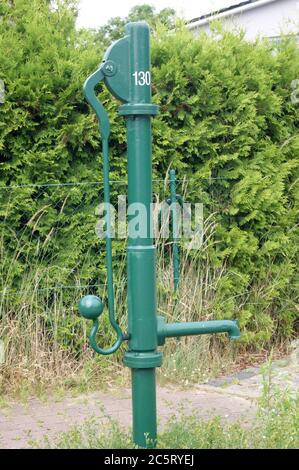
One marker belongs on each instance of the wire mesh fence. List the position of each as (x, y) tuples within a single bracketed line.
[(49, 240), (51, 255), (49, 229), (48, 236)]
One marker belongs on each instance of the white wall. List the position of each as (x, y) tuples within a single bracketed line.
[(268, 20)]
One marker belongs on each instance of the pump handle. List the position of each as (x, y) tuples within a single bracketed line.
[(90, 95)]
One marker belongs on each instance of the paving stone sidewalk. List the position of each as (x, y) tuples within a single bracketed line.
[(232, 398)]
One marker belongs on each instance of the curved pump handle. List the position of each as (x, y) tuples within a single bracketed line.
[(90, 306), (90, 95)]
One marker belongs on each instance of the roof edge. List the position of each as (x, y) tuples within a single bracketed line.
[(230, 11)]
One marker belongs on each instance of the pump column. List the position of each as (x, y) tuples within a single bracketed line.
[(142, 356)]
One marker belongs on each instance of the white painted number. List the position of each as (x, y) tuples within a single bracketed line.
[(142, 78)]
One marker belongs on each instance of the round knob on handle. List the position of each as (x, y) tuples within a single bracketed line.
[(90, 307)]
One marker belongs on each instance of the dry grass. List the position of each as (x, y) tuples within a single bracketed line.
[(46, 343)]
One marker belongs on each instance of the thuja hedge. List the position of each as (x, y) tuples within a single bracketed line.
[(226, 122)]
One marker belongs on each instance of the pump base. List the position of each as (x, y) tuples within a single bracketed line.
[(142, 360)]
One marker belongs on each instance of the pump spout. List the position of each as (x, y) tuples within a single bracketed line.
[(196, 328)]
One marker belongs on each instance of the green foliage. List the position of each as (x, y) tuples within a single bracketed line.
[(226, 122), (42, 134)]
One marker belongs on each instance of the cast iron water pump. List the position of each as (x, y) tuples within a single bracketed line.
[(125, 71)]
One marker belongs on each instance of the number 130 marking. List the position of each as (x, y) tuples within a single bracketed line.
[(142, 78)]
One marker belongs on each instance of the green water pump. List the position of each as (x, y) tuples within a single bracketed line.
[(125, 71)]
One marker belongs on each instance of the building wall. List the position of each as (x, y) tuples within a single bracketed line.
[(269, 20)]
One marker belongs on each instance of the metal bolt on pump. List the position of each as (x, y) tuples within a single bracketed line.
[(125, 71)]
